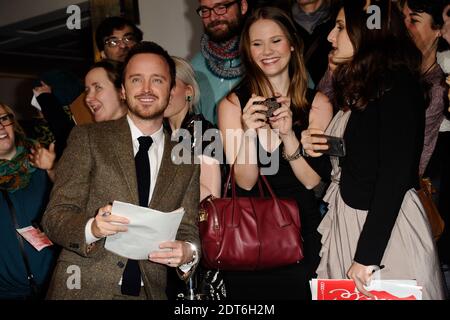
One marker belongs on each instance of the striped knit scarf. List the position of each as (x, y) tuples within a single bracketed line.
[(219, 57)]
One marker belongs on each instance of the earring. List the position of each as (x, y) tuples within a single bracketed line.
[(188, 98)]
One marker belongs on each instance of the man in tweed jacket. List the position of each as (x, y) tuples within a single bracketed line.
[(98, 167)]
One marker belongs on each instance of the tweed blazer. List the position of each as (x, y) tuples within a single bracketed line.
[(97, 168)]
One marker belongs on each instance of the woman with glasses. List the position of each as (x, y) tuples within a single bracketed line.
[(24, 270)]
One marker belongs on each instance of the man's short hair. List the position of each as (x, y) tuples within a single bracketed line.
[(153, 48), (107, 27)]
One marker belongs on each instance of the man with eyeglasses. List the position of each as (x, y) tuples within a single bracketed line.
[(115, 36), (217, 66)]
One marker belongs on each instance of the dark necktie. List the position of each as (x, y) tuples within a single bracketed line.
[(131, 278)]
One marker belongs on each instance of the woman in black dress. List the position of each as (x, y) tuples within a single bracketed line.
[(272, 55)]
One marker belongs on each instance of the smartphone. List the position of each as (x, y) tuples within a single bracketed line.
[(336, 145)]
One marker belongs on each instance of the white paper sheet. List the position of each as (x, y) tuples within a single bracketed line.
[(147, 229)]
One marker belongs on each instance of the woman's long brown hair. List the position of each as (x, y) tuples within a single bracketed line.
[(377, 53), (255, 77)]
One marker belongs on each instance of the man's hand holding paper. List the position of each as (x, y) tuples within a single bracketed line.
[(107, 224), (149, 232), (179, 253)]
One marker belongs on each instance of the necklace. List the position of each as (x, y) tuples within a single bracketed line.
[(429, 68)]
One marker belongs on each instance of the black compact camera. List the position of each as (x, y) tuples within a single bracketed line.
[(271, 104)]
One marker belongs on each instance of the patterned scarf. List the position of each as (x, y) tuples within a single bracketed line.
[(219, 57), (15, 174)]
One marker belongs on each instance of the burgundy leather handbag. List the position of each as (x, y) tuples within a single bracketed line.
[(249, 233)]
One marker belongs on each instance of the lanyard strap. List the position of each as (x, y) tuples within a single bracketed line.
[(12, 211)]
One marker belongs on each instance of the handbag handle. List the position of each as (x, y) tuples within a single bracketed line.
[(281, 218), (230, 178), (260, 187)]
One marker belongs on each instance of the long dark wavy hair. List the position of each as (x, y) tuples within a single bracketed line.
[(255, 78), (377, 54)]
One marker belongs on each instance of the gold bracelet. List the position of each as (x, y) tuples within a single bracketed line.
[(297, 154)]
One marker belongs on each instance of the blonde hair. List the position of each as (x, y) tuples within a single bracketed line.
[(17, 128), (185, 73)]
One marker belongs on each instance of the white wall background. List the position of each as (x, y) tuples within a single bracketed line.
[(15, 10), (173, 24)]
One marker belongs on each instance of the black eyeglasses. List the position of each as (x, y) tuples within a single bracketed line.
[(7, 119), (126, 39), (220, 10)]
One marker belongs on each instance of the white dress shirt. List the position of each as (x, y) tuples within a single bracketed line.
[(155, 154)]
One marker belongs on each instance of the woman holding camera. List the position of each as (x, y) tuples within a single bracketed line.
[(375, 220), (272, 55)]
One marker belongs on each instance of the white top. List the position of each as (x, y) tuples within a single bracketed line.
[(445, 125)]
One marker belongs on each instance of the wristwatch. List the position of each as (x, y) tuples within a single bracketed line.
[(194, 252)]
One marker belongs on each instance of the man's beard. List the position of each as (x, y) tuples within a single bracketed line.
[(234, 28), (152, 112)]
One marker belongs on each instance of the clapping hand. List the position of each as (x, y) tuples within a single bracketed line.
[(43, 158)]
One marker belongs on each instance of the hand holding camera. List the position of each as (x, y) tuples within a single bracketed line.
[(271, 112), (271, 104)]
